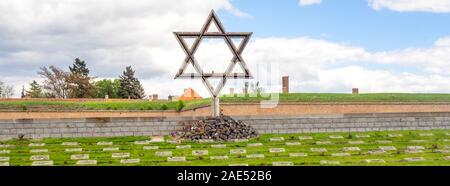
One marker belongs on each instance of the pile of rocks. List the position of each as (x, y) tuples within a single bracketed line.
[(221, 128)]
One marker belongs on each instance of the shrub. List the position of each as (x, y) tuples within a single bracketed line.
[(180, 105), (164, 107)]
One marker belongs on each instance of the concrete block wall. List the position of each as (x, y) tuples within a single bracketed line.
[(139, 126)]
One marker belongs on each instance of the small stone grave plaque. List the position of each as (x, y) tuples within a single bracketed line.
[(176, 159), (69, 143), (415, 148), (130, 161), (104, 143), (111, 149), (447, 147), (238, 151), (240, 140), (238, 165), (341, 154), (298, 154), (362, 136), (163, 153), (318, 149), (38, 150), (4, 164), (447, 158), (293, 143), (276, 150), (329, 162), (355, 142), (336, 137), (383, 141), (375, 161), (277, 139), (74, 150), (255, 156), (419, 141), (155, 139), (141, 142), (36, 144), (120, 155), (448, 134), (414, 159), (4, 146), (305, 138), (287, 163), (173, 141), (323, 142), (442, 151), (42, 163), (151, 147), (86, 162), (5, 151), (387, 148), (377, 151), (426, 134), (200, 152), (183, 147), (79, 156), (218, 146), (395, 135), (446, 140), (206, 141), (218, 157), (254, 145), (4, 158), (351, 149), (39, 157)]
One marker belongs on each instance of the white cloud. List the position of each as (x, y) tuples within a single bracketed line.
[(110, 35), (308, 2), (435, 6)]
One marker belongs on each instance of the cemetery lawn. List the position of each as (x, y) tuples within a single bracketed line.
[(38, 105), (436, 144)]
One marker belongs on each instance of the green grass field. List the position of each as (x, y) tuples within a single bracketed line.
[(436, 145), (30, 105)]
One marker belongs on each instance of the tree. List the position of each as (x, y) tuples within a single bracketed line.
[(55, 82), (80, 83), (6, 91), (35, 90), (107, 87), (130, 87)]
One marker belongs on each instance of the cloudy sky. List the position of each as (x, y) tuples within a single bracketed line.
[(323, 45)]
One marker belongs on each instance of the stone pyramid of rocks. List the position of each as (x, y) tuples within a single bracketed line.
[(221, 128)]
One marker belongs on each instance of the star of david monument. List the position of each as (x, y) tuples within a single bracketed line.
[(205, 76)]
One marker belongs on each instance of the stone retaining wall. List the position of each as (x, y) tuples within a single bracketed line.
[(138, 126)]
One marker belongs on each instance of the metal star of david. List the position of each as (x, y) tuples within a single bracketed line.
[(227, 36)]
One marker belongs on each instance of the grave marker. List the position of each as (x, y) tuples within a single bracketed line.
[(255, 156), (387, 148), (426, 134), (355, 142), (120, 155), (277, 139), (163, 153), (4, 164), (38, 150), (111, 149), (70, 143), (305, 138), (414, 159), (318, 149), (151, 147), (86, 162), (238, 165), (218, 157), (329, 162), (383, 141), (254, 145), (395, 135), (36, 144), (415, 148), (276, 150), (42, 163), (293, 143), (351, 149), (200, 152), (141, 142), (79, 157), (341, 154), (74, 150), (155, 139), (5, 151), (323, 142), (375, 161), (4, 158), (176, 159), (39, 157), (183, 147), (130, 161), (104, 143), (282, 163), (298, 154), (218, 146), (238, 151), (336, 137), (362, 136)]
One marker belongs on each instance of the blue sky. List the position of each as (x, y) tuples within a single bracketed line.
[(323, 45), (343, 21)]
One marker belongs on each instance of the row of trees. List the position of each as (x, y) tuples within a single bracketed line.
[(6, 91), (77, 83)]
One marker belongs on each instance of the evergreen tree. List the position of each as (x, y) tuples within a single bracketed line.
[(35, 90), (80, 83), (130, 87)]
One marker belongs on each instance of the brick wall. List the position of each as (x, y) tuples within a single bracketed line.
[(138, 126)]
